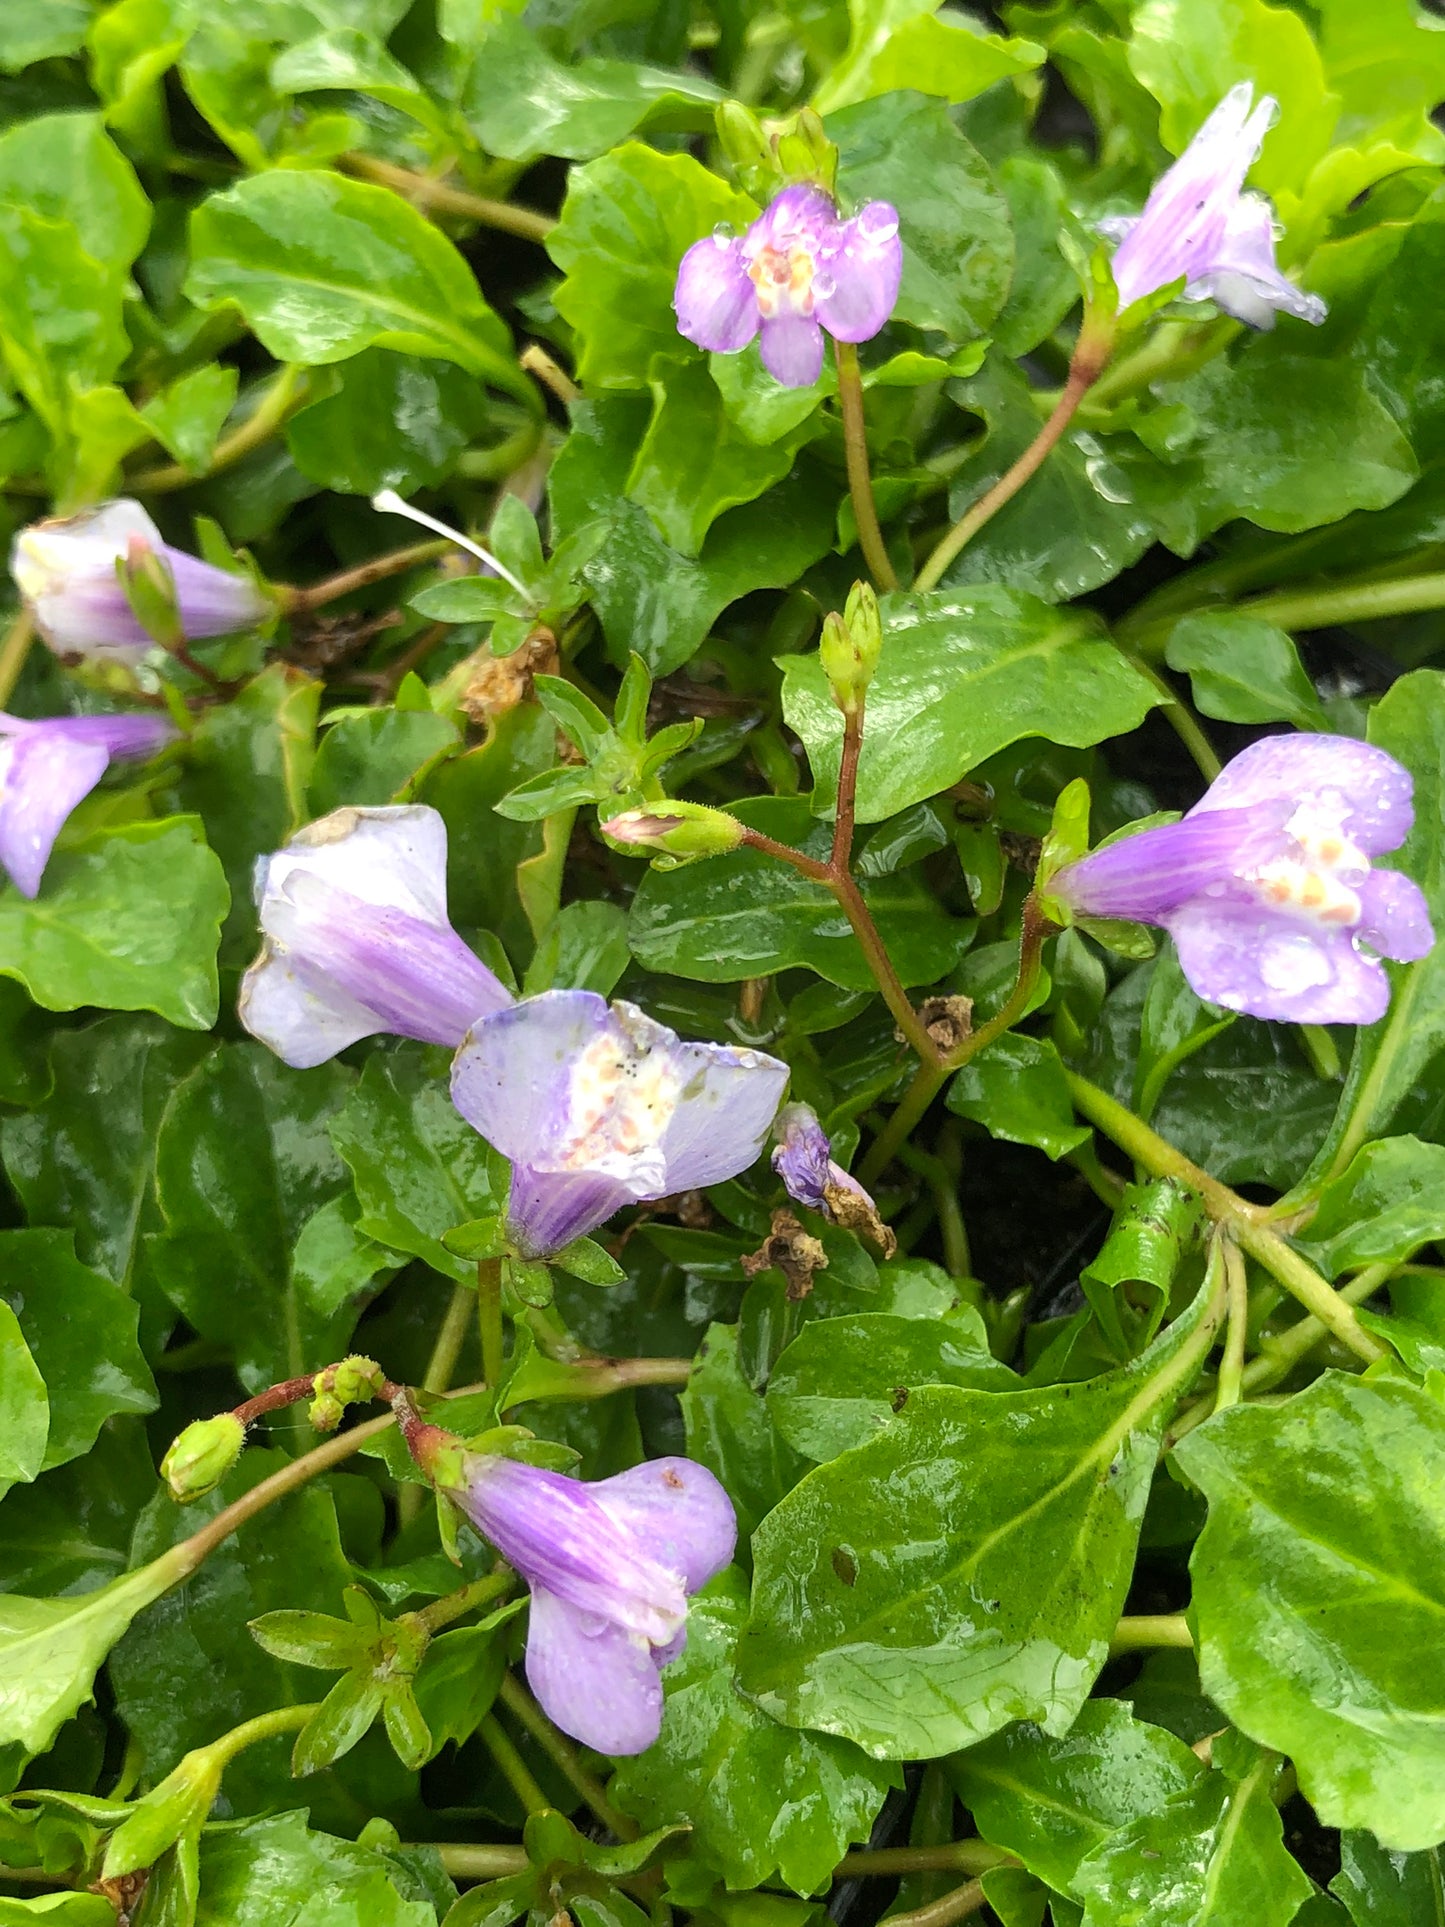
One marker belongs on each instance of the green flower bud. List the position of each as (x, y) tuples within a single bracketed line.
[(202, 1456), (742, 140), (353, 1381), (850, 646), (680, 831), (150, 589)]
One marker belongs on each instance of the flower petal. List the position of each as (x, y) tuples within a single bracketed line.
[(1248, 958), (792, 349), (43, 775), (512, 1078), (128, 736), (1243, 277), (305, 1020), (859, 269), (715, 301), (548, 1209), (1370, 791), (1148, 875), (729, 1100), (801, 216), (596, 1682), (1396, 918), (678, 1510), (395, 857)]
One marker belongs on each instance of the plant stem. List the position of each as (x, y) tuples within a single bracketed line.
[(943, 1183), (550, 373), (1090, 355), (489, 1318), (449, 1340), (1283, 1263), (502, 215), (953, 1856), (285, 394), (1149, 1632), (1174, 350), (14, 653), (456, 1605), (265, 1726), (481, 1863), (1229, 1386), (1181, 719), (967, 1899), (514, 1768), (843, 819), (860, 481), (563, 1755), (317, 594)]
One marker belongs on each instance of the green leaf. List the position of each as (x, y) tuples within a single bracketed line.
[(378, 757), (759, 1799), (66, 168), (897, 44), (1016, 1518), (278, 1869), (1243, 670), (1384, 1889), (60, 313), (127, 920), (82, 1336), (958, 250), (1051, 1802), (62, 1910), (626, 223), (1212, 1855), (1130, 1282), (1317, 1585), (522, 104), (33, 30), (23, 1404), (585, 948), (459, 1679), (1388, 1203), (961, 677), (418, 1167), (71, 1530), (393, 421), (323, 267), (731, 1431), (748, 914), (243, 1161), (187, 416), (1017, 1090), (844, 1380)]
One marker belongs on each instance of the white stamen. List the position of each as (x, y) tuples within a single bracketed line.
[(388, 502)]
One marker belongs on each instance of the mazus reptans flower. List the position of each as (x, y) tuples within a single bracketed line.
[(357, 941), (48, 766), (598, 1106), (1200, 225), (65, 570), (799, 270), (1267, 885)]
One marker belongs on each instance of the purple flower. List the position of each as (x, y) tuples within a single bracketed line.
[(796, 271), (610, 1567), (46, 768), (1266, 885), (65, 570), (356, 939), (1197, 223), (804, 1161), (597, 1106)]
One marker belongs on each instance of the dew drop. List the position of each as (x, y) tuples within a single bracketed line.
[(824, 286), (877, 222), (1293, 964), (723, 234)]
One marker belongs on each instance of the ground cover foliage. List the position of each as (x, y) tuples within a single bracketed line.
[(1083, 1572)]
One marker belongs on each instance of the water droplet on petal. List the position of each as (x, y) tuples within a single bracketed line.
[(878, 222), (723, 234), (1295, 963), (824, 285)]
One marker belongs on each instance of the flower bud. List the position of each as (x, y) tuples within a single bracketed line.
[(850, 646), (150, 588), (202, 1456), (743, 142), (682, 831)]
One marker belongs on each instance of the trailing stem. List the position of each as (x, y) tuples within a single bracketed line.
[(860, 480), (445, 199)]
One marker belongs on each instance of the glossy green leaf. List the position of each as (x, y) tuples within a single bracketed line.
[(961, 677), (40, 30), (60, 312), (1243, 670), (731, 1431), (23, 1404), (187, 416), (1317, 1584), (759, 1799), (128, 920), (1388, 1203), (378, 757), (904, 44), (748, 914), (279, 1869), (1017, 1514), (393, 421), (1383, 1889), (1017, 1090), (66, 168)]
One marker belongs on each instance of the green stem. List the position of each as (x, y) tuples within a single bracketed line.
[(1181, 719), (943, 1184), (480, 1863), (1229, 1386), (265, 1726), (964, 1900), (489, 1318), (502, 215), (449, 1340), (317, 594), (1265, 1246), (563, 1755), (1322, 607), (1147, 1632), (285, 394), (1174, 350), (953, 1856), (503, 458), (513, 1767), (860, 480), (14, 653), (456, 1605)]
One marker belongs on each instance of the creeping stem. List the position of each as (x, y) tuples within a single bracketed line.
[(860, 481), (13, 653), (502, 215), (284, 396), (489, 1316), (563, 1755), (317, 594)]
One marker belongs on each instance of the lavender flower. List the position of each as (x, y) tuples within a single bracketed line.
[(65, 570), (1197, 223), (804, 1161), (597, 1106), (1266, 885), (610, 1567), (797, 270), (356, 939), (47, 767)]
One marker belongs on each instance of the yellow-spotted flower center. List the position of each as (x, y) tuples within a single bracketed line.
[(1321, 882), (784, 280), (624, 1092)]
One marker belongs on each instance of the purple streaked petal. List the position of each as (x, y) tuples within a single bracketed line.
[(1395, 918), (593, 1680), (1371, 792), (802, 215), (859, 269), (1249, 958), (1243, 277), (792, 349), (548, 1209), (715, 301), (304, 1018), (729, 1100), (129, 737), (803, 1158), (395, 857), (678, 1510), (512, 1078), (1148, 875), (42, 777)]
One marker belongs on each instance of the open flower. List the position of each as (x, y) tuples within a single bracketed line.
[(797, 270), (610, 1567), (597, 1106), (47, 767), (65, 570), (1266, 885), (1199, 224), (811, 1175), (356, 939)]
